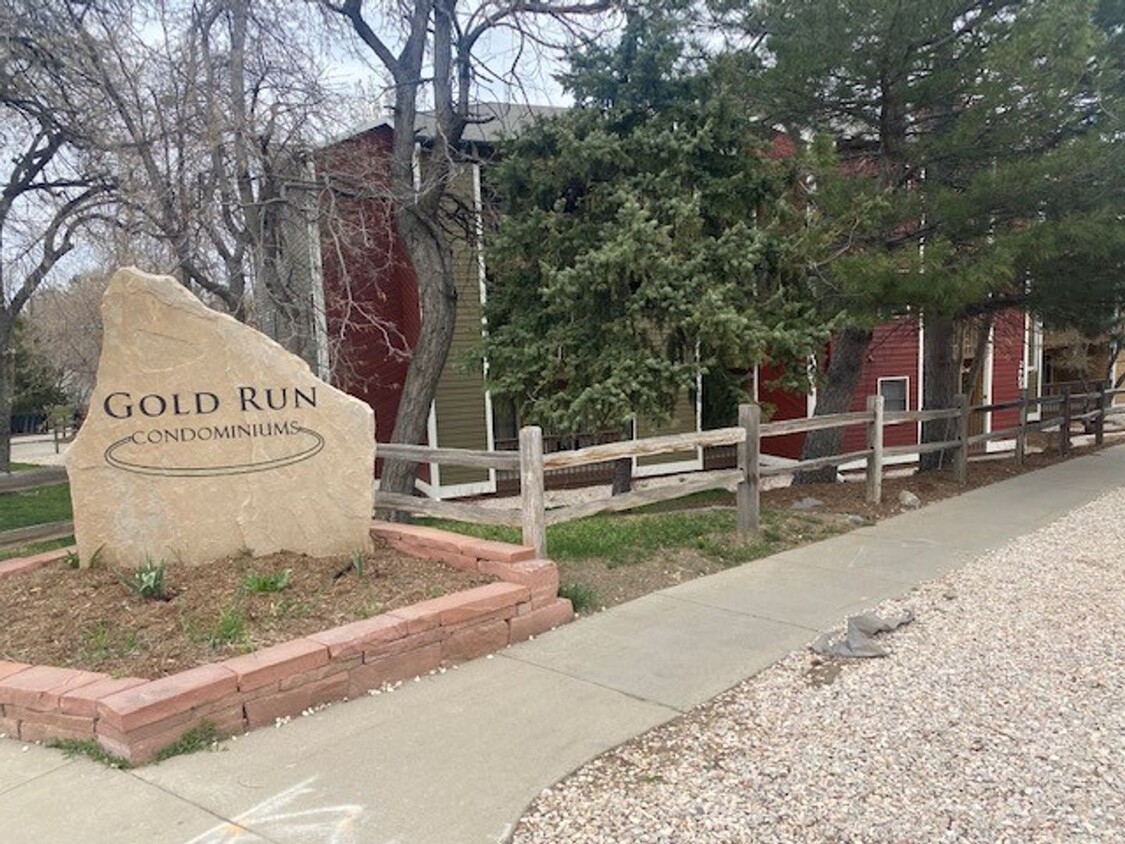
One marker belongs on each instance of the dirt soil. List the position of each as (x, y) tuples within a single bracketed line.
[(848, 497), (88, 618)]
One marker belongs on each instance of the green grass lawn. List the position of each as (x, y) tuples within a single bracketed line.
[(35, 507), (35, 548), (622, 539)]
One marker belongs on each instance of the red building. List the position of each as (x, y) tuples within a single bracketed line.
[(893, 368)]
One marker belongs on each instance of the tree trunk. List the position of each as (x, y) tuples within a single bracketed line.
[(622, 476), (7, 386), (941, 370), (849, 348), (437, 294)]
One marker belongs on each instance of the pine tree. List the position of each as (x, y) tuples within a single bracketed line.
[(984, 131), (645, 237)]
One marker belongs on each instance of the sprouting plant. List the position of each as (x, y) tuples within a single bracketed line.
[(357, 565), (148, 580), (230, 627), (581, 596), (258, 583), (73, 561), (72, 747), (108, 641), (206, 736)]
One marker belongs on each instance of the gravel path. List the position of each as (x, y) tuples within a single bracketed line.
[(999, 716)]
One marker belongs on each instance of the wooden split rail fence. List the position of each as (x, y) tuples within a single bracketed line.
[(533, 518)]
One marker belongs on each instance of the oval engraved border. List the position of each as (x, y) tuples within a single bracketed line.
[(212, 471)]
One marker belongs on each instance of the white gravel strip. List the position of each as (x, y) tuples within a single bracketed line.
[(999, 716)]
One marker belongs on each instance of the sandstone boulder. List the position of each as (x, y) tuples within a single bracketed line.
[(206, 438)]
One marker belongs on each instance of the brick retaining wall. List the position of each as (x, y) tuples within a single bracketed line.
[(134, 718)]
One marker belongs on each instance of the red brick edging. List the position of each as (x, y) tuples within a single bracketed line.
[(134, 718)]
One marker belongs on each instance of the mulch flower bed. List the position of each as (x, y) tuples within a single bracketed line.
[(93, 619)]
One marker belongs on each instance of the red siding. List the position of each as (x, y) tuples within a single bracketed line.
[(781, 404), (1007, 365), (372, 308), (893, 353)]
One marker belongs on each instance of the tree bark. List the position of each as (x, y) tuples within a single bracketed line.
[(622, 476), (941, 370), (849, 348), (432, 260), (7, 387)]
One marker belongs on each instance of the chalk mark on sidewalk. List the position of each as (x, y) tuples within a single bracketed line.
[(273, 819)]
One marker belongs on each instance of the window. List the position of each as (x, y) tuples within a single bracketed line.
[(894, 392)]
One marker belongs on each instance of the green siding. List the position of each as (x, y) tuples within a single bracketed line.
[(682, 422), (461, 421)]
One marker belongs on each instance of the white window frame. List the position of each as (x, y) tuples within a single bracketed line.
[(905, 393)]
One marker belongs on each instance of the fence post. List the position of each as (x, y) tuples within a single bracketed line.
[(749, 488), (1099, 420), (1064, 425), (1021, 435), (531, 489), (875, 443), (961, 463)]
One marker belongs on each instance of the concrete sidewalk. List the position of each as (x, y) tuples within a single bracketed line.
[(456, 757)]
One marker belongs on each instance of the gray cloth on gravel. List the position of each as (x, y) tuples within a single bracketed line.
[(859, 640)]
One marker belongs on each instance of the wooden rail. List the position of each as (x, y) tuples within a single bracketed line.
[(32, 479), (814, 423), (453, 456), (724, 479), (533, 517), (643, 448), (897, 417), (449, 509)]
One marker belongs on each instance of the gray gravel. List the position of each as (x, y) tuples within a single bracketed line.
[(999, 716)]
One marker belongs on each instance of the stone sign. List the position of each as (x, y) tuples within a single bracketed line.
[(205, 438)]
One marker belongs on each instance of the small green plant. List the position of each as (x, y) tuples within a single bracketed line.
[(108, 641), (771, 533), (290, 608), (73, 561), (581, 596), (356, 564), (229, 629), (204, 737), (89, 747), (259, 583), (148, 581)]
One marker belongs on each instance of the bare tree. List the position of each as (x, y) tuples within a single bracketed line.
[(66, 325), (434, 52), (208, 110), (53, 184)]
